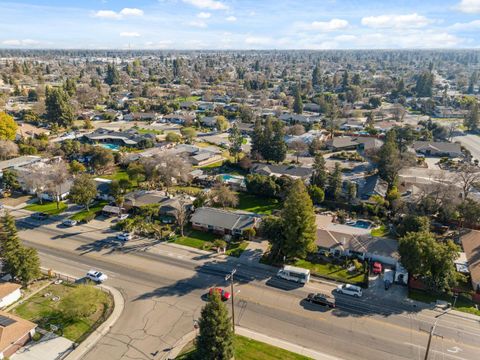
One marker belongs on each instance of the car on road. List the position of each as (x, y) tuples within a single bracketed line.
[(122, 216), (69, 222), (96, 276), (377, 268), (224, 295), (349, 289), (321, 299), (125, 236), (40, 216)]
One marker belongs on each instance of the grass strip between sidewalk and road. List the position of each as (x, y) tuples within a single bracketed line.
[(48, 208)]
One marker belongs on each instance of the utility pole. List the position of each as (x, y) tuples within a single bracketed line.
[(432, 330), (230, 277)]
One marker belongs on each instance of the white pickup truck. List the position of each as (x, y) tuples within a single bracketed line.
[(388, 276)]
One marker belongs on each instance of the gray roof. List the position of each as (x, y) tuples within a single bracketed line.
[(19, 162), (223, 218), (289, 170), (142, 197), (441, 146)]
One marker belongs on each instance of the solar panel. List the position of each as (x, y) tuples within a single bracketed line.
[(6, 321)]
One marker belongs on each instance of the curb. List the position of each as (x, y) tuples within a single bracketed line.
[(250, 334)]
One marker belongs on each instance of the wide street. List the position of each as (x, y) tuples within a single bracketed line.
[(164, 289), (471, 142)]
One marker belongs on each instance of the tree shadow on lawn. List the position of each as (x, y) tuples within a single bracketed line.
[(113, 244)]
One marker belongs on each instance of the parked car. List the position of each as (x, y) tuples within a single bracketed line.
[(388, 276), (96, 276), (69, 222), (122, 216), (125, 236), (377, 267), (40, 216), (224, 295), (321, 299), (351, 290)]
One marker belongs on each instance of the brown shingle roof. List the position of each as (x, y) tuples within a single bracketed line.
[(16, 329), (471, 247), (7, 288)]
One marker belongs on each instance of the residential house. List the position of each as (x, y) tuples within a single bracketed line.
[(130, 138), (209, 121), (296, 118), (170, 207), (361, 143), (312, 107), (9, 293), (353, 124), (140, 116), (443, 148), (471, 247), (295, 172), (14, 333), (103, 189), (307, 137), (368, 247), (25, 130), (448, 112), (223, 221), (19, 162), (143, 197)]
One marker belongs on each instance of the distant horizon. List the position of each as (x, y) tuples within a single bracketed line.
[(239, 25)]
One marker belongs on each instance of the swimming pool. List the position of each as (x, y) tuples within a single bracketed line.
[(362, 224), (112, 147)]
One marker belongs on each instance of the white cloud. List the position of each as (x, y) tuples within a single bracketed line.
[(258, 40), (162, 44), (396, 21), (207, 4), (129, 34), (231, 18), (332, 25), (197, 23), (131, 12), (469, 6), (204, 15), (24, 42), (472, 25), (110, 14)]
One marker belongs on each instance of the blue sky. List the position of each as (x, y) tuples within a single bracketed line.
[(240, 24)]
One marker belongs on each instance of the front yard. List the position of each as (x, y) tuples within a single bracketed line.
[(205, 241), (46, 310), (93, 211), (333, 271), (47, 207), (462, 304)]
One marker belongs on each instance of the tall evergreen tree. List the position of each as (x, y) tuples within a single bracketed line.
[(215, 339), (236, 141), (298, 217), (472, 119), (316, 76), (59, 109), (278, 147), (298, 103), (389, 161), (335, 183), (113, 76), (319, 174)]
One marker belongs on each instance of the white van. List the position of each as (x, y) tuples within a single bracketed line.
[(351, 290), (293, 273)]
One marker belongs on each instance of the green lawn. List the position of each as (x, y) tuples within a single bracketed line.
[(196, 239), (257, 204), (187, 99), (47, 207), (149, 131), (45, 312), (117, 175), (331, 271), (211, 166), (191, 190), (92, 211), (462, 303), (248, 349), (236, 248), (381, 231)]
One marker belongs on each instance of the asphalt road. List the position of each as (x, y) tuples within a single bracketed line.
[(471, 142), (165, 290)]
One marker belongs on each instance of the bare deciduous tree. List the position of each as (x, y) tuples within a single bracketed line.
[(467, 177), (57, 175), (8, 149)]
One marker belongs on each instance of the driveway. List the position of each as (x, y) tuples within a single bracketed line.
[(376, 290), (49, 347)]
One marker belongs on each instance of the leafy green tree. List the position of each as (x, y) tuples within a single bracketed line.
[(261, 185), (136, 171), (8, 127), (236, 140), (268, 140), (77, 167), (215, 339), (422, 255), (222, 123), (413, 223), (424, 84), (59, 109), (10, 180), (319, 175), (188, 133), (83, 190), (351, 191), (335, 183), (101, 159), (173, 137), (223, 196), (278, 147), (299, 227), (316, 194)]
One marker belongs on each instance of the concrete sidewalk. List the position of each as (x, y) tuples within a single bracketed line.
[(103, 329), (282, 344)]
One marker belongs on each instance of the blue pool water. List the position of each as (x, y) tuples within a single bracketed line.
[(362, 224), (226, 177), (112, 147)]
